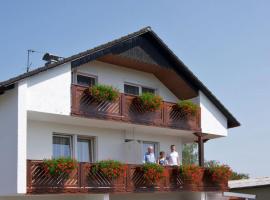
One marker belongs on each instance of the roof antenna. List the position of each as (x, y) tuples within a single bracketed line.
[(29, 52), (28, 59)]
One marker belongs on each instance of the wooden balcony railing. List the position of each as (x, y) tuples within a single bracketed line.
[(83, 180), (127, 109)]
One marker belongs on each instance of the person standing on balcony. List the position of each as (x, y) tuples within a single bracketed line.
[(173, 157), (149, 156), (162, 159)]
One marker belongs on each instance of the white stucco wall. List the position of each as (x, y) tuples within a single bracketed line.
[(117, 76), (110, 144), (22, 137), (49, 91), (8, 142), (13, 140), (108, 141), (212, 120)]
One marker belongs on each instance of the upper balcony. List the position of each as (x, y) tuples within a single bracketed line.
[(127, 109)]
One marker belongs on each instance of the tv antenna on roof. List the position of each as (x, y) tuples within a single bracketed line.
[(49, 58), (28, 59), (29, 52)]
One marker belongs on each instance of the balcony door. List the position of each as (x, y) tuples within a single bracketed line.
[(146, 144), (85, 149)]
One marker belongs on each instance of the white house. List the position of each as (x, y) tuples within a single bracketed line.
[(259, 187), (42, 116)]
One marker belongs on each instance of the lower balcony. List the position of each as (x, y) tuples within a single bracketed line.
[(83, 180)]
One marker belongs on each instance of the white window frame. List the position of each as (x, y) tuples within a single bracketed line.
[(140, 87), (65, 136), (74, 144), (92, 140), (76, 73)]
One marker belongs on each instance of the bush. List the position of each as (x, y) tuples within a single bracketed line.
[(192, 172), (59, 166), (152, 172), (187, 107), (110, 168), (104, 92), (150, 101), (218, 172)]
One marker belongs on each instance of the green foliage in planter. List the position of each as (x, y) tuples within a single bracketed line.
[(191, 172), (219, 172), (59, 166), (150, 101), (104, 92), (152, 172), (187, 107), (110, 168)]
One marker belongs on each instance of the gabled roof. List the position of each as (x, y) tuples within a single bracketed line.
[(99, 51)]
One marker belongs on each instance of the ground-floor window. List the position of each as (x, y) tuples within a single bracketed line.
[(73, 146), (62, 146), (85, 149)]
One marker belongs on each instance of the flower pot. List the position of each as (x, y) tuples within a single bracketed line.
[(190, 185)]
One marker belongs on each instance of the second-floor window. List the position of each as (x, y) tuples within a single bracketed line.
[(131, 89), (136, 89), (150, 90), (85, 80)]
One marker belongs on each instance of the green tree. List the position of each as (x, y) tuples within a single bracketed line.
[(190, 153), (239, 176)]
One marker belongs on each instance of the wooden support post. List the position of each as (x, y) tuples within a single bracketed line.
[(123, 106), (200, 142), (201, 150)]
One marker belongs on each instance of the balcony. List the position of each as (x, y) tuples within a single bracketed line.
[(127, 109), (83, 180)]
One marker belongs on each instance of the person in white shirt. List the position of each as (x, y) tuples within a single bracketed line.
[(149, 156), (173, 158)]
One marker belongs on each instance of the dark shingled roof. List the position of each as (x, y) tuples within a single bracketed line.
[(95, 52)]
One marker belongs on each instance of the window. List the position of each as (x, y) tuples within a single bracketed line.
[(85, 150), (62, 146), (86, 80), (155, 145), (131, 89), (150, 90), (136, 89)]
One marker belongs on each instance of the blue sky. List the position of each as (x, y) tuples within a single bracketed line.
[(225, 43)]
